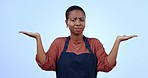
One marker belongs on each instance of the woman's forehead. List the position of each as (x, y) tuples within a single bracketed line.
[(76, 13)]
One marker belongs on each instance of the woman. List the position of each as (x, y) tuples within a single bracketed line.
[(76, 56)]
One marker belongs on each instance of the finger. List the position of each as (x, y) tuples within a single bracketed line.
[(132, 36), (21, 31), (26, 33)]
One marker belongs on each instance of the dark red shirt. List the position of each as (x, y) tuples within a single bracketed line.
[(57, 46)]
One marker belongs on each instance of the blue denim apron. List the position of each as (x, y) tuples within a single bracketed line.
[(71, 65)]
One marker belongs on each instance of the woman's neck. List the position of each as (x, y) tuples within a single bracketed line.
[(76, 38)]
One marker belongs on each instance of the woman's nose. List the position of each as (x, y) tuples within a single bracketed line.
[(78, 23)]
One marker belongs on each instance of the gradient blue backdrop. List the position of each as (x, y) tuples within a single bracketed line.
[(106, 19)]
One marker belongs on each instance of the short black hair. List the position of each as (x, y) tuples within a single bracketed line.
[(71, 8)]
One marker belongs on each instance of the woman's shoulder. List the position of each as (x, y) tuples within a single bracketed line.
[(59, 40), (95, 43), (93, 40)]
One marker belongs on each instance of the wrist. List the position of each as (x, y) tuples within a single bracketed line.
[(118, 39), (38, 36)]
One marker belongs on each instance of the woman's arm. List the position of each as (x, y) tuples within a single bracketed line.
[(113, 53), (40, 50)]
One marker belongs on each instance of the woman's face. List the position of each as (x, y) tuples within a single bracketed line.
[(76, 22)]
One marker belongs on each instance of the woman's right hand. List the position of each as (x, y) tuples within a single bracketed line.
[(31, 34), (40, 50)]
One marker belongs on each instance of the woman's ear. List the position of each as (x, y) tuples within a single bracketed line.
[(67, 23)]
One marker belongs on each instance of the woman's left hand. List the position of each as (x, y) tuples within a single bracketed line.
[(124, 37)]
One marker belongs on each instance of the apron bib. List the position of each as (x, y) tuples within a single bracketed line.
[(71, 65)]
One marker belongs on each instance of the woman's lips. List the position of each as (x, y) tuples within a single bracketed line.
[(78, 29)]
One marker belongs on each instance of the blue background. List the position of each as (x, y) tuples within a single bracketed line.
[(106, 19)]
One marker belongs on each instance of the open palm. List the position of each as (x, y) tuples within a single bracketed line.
[(124, 38), (30, 34)]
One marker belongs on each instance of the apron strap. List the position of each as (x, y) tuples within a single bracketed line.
[(85, 40), (87, 44), (66, 44)]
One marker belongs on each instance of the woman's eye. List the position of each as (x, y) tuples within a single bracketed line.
[(81, 19), (73, 20)]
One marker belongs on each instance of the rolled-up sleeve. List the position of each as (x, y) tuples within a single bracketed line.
[(102, 56), (48, 64), (104, 66), (51, 58)]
